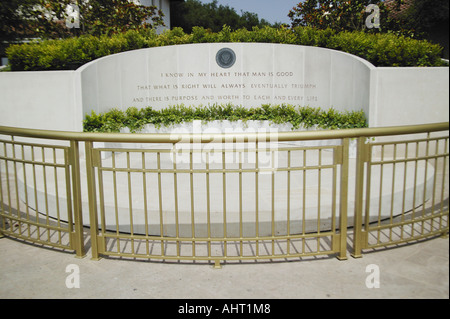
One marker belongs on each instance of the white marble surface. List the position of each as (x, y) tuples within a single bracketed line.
[(262, 74)]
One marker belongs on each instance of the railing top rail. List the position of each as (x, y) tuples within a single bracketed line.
[(223, 137)]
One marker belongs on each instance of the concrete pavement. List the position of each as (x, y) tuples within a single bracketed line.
[(419, 270)]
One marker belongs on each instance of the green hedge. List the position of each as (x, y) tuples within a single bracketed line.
[(135, 119), (379, 49)]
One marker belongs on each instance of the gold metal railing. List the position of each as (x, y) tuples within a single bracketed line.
[(427, 213), (220, 197), (26, 170)]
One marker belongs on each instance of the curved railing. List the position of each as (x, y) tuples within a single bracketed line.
[(220, 197)]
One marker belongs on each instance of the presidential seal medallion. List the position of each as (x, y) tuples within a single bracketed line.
[(225, 58)]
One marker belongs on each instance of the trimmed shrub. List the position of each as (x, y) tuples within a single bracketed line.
[(306, 117), (387, 49), (380, 49)]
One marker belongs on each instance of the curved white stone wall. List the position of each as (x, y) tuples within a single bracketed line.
[(260, 73)]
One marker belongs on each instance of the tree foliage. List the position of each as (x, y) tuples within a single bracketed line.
[(116, 16), (407, 17), (339, 15), (422, 16), (14, 15), (48, 18), (193, 13)]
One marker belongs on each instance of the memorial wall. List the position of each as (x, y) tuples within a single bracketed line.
[(246, 74)]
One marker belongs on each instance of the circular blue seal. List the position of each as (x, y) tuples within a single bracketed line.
[(225, 58)]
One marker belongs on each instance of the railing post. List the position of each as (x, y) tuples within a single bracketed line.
[(78, 236), (343, 211), (92, 196), (359, 192)]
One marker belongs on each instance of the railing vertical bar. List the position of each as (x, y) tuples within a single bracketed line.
[(273, 200), (77, 201), (38, 229), (175, 192), (47, 215), (334, 195), (101, 198), (380, 194), (443, 183), (224, 198), (144, 185), (130, 203), (433, 199), (25, 188), (191, 182), (413, 214), (116, 203), (161, 218), (19, 222), (343, 210), (208, 205), (58, 219), (257, 199), (402, 228), (368, 176), (92, 198), (69, 204), (8, 186), (425, 184), (304, 201), (288, 203), (391, 214), (319, 185), (359, 185), (2, 203), (241, 235)]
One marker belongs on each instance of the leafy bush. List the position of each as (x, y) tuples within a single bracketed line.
[(388, 49), (379, 49), (110, 122), (135, 120)]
